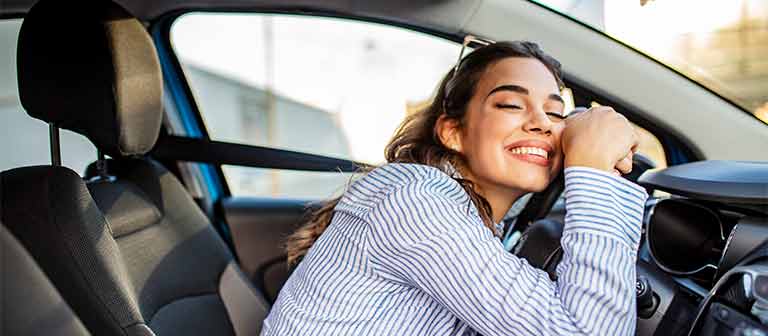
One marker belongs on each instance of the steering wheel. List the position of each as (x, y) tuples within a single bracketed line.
[(540, 240)]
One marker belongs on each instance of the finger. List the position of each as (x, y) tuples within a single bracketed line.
[(575, 116), (577, 110), (625, 164), (601, 109), (635, 140), (616, 172)]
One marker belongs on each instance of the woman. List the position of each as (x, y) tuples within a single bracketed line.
[(412, 247)]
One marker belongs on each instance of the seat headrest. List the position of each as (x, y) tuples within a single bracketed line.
[(91, 67)]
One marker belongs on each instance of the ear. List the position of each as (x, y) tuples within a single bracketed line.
[(449, 132)]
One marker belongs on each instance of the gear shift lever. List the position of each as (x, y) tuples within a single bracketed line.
[(646, 302)]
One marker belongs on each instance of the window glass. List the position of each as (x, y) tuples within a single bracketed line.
[(651, 147), (23, 140), (285, 183), (719, 43), (318, 85)]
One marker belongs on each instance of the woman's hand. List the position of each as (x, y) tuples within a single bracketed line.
[(599, 138)]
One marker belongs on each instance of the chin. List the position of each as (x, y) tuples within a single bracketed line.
[(530, 183), (533, 186)]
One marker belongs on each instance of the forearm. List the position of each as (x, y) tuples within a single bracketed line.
[(597, 274)]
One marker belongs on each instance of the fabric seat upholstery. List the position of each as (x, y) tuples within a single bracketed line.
[(132, 253), (30, 306)]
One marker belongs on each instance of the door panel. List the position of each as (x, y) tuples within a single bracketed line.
[(259, 227)]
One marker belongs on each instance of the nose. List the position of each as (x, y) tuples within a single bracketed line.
[(538, 122)]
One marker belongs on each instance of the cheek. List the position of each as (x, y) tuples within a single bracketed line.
[(557, 132), (558, 128), (497, 126), (485, 152), (485, 137)]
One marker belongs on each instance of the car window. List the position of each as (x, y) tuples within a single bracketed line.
[(24, 140), (325, 86), (720, 44)]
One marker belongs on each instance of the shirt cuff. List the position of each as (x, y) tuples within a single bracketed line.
[(601, 203)]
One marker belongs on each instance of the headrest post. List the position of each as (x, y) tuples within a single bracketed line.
[(55, 144), (102, 173), (101, 166)]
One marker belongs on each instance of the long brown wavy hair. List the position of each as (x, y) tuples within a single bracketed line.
[(416, 139)]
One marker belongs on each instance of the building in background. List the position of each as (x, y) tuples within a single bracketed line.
[(242, 113)]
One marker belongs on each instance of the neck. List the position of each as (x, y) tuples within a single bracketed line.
[(499, 198)]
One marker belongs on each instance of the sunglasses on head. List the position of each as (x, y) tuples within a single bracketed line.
[(472, 42)]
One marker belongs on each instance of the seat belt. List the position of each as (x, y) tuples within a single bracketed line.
[(246, 309), (177, 148)]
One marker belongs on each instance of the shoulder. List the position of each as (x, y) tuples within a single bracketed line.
[(418, 202), (414, 180), (413, 195), (400, 174)]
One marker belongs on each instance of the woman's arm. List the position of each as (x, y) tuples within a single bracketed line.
[(421, 235)]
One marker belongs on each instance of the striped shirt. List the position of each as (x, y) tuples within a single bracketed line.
[(407, 254)]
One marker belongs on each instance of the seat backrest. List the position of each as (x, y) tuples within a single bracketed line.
[(132, 252), (49, 210), (29, 304)]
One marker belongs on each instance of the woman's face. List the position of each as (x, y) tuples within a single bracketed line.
[(510, 134)]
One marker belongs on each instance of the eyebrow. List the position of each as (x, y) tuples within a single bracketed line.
[(522, 90)]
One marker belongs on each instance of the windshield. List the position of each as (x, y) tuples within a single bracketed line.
[(721, 44)]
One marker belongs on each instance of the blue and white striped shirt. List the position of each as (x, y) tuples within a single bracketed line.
[(407, 254)]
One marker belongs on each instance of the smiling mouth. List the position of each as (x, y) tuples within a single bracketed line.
[(540, 152), (531, 154)]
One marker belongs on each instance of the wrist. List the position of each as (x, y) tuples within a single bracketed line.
[(595, 164)]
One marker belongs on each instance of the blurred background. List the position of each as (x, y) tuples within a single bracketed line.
[(722, 44)]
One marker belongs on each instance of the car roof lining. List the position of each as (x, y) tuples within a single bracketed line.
[(448, 16)]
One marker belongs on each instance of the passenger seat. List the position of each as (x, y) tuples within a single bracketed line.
[(130, 250)]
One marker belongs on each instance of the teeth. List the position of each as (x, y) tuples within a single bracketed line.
[(530, 150)]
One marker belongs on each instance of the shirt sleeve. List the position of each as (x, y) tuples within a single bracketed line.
[(421, 235)]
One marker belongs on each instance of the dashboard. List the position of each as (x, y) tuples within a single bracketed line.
[(707, 220), (702, 265)]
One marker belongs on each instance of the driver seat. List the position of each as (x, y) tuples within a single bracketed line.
[(130, 250)]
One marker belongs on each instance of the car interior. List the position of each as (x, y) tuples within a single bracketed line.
[(150, 240)]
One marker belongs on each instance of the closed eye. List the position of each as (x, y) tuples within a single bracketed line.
[(556, 115), (509, 106)]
